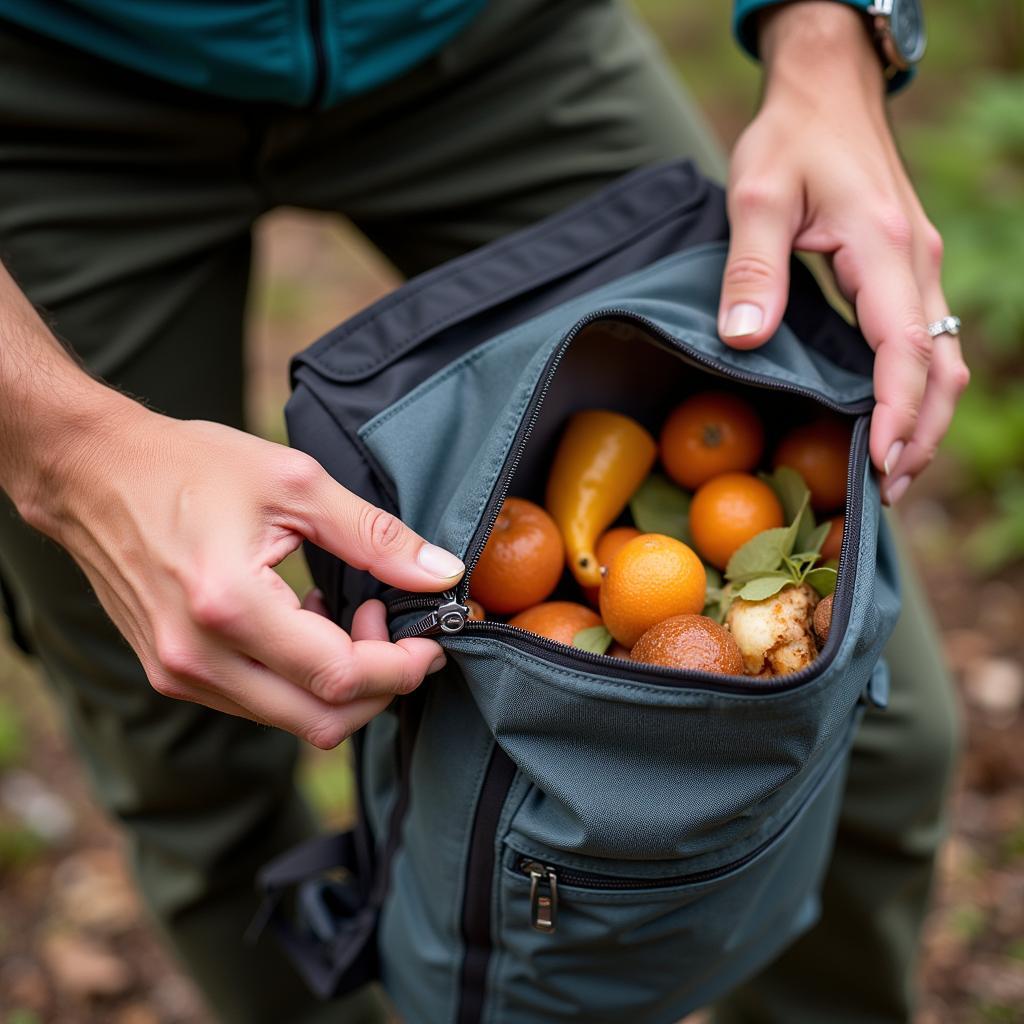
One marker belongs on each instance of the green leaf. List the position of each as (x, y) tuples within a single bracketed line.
[(714, 577), (823, 580), (659, 506), (716, 603), (801, 529), (763, 587), (595, 639), (761, 554), (816, 539), (789, 488)]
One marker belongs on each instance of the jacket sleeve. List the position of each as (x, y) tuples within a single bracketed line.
[(744, 27)]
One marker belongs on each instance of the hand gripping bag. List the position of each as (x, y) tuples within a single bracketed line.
[(546, 834)]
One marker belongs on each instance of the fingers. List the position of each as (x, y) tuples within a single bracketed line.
[(763, 220), (308, 649), (363, 535), (947, 377), (892, 319), (252, 691)]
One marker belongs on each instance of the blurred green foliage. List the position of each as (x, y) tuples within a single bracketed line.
[(970, 171)]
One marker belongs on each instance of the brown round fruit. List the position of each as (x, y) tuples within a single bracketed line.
[(690, 642), (557, 620), (823, 620)]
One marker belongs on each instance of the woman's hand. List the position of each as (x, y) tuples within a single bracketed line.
[(818, 170), (178, 526)]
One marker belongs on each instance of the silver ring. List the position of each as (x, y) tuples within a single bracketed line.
[(947, 325)]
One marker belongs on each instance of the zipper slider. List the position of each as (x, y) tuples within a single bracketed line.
[(448, 617), (543, 896)]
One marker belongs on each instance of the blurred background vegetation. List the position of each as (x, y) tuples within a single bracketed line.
[(961, 127)]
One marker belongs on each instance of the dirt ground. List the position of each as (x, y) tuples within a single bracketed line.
[(76, 948)]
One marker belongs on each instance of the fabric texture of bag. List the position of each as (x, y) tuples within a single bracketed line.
[(547, 834)]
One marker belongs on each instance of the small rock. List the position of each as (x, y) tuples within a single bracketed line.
[(23, 982), (964, 646), (136, 1013), (37, 806), (176, 999), (93, 891), (996, 687), (85, 969)]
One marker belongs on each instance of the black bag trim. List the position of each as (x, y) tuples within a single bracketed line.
[(480, 875), (507, 257), (337, 953)]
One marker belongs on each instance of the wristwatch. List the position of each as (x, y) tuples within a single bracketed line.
[(899, 33)]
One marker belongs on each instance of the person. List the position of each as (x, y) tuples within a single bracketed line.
[(138, 144)]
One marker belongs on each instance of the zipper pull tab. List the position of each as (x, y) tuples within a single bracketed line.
[(447, 617), (543, 896)]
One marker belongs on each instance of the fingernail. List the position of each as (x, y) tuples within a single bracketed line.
[(440, 563), (890, 460), (898, 489), (437, 664), (744, 318)]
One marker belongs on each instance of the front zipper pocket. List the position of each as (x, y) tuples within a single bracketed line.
[(449, 615), (680, 939)]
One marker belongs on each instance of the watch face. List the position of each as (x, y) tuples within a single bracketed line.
[(907, 28)]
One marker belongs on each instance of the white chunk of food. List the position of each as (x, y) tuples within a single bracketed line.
[(774, 635)]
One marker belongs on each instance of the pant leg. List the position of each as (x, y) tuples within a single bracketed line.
[(525, 113), (125, 214)]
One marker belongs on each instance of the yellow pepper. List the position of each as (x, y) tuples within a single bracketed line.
[(602, 458)]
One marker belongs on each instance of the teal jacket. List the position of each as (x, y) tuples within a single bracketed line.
[(295, 52)]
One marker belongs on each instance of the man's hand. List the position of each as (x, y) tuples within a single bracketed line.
[(178, 525), (818, 170)]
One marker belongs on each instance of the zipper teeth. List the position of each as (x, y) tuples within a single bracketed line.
[(629, 669), (678, 348), (586, 880), (661, 673)]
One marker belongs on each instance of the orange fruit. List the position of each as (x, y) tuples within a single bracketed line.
[(690, 641), (650, 578), (819, 452), (708, 435), (557, 620), (522, 561), (476, 610), (606, 548), (833, 540), (727, 511)]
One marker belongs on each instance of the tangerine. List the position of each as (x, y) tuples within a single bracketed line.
[(710, 434), (690, 642), (819, 452), (557, 620), (606, 548), (522, 561), (476, 610), (650, 578), (727, 511)]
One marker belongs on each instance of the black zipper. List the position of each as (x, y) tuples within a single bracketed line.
[(316, 35), (545, 880), (453, 607)]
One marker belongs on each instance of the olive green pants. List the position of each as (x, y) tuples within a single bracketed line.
[(126, 209)]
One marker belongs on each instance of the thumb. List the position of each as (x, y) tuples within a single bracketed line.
[(756, 280), (371, 538)]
